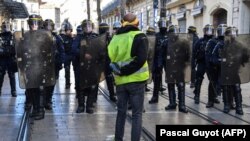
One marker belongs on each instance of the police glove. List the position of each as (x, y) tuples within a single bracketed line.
[(115, 68)]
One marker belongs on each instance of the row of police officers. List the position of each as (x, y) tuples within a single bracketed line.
[(172, 53)]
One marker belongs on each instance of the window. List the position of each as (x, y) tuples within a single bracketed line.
[(148, 16), (182, 8), (198, 3)]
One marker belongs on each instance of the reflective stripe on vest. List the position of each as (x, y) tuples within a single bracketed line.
[(119, 51)]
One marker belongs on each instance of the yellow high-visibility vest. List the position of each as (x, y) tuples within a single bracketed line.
[(119, 51)]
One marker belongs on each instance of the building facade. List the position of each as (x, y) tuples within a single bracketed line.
[(185, 13), (76, 11), (12, 11)]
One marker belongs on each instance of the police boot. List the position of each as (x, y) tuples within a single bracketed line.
[(192, 84), (81, 101), (48, 97), (154, 98), (13, 84), (89, 103), (38, 107), (28, 100), (181, 96), (231, 100), (157, 83), (1, 82), (210, 95), (172, 97), (218, 93), (238, 101), (197, 91), (161, 87), (226, 100), (67, 77), (110, 86)]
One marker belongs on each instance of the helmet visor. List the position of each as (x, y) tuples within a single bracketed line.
[(208, 31), (34, 24), (163, 24), (49, 26), (88, 28), (221, 31)]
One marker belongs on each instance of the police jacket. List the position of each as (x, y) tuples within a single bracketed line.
[(7, 48), (67, 42), (195, 40), (199, 49), (59, 51), (128, 48), (160, 50), (76, 47)]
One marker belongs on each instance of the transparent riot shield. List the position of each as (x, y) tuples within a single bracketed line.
[(92, 61), (35, 58), (178, 58), (151, 53), (235, 64)]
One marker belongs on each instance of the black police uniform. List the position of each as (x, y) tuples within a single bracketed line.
[(200, 63), (7, 60), (158, 64)]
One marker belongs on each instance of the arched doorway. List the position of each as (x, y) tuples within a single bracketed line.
[(219, 17)]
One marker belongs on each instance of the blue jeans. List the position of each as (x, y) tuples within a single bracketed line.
[(135, 93)]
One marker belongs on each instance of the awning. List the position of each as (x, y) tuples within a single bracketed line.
[(196, 11), (17, 9), (180, 15)]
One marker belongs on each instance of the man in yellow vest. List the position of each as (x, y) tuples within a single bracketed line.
[(128, 54)]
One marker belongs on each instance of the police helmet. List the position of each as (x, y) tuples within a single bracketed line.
[(35, 22), (66, 26), (79, 29), (192, 29), (173, 29), (103, 28), (150, 30), (87, 26), (162, 23), (208, 30), (231, 31), (117, 25), (6, 26), (221, 29), (48, 24)]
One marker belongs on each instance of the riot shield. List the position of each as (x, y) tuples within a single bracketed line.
[(92, 61), (151, 53), (235, 64), (178, 58), (35, 58)]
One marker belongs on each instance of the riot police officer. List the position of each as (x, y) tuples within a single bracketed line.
[(234, 56), (7, 57), (158, 63), (199, 59), (67, 43), (59, 59), (104, 29), (213, 69), (91, 91), (180, 81), (33, 95), (192, 30), (150, 32)]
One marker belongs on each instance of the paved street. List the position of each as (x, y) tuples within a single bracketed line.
[(63, 124)]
